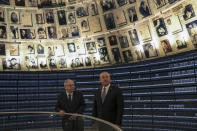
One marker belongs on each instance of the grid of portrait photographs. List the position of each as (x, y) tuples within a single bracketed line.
[(92, 34)]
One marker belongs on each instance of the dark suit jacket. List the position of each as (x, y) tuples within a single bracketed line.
[(77, 106), (112, 108)]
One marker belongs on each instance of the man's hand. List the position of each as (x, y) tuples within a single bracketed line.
[(73, 117), (61, 113)]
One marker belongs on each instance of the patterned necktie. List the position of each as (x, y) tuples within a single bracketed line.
[(103, 94), (69, 98)]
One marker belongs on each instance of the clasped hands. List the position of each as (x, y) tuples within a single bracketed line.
[(62, 113)]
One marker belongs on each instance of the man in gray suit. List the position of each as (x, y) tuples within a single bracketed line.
[(70, 101), (108, 102)]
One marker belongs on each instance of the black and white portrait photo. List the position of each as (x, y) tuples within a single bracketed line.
[(144, 8), (107, 5), (41, 32), (160, 27), (127, 56), (39, 19), (14, 17), (42, 62), (52, 32), (61, 17), (91, 47), (40, 49), (30, 49), (65, 33), (2, 50), (181, 44), (192, 30), (84, 25), (93, 9), (104, 57), (82, 11), (33, 3), (138, 54), (134, 37), (11, 64), (50, 51), (52, 62), (123, 41), (101, 41), (59, 50), (27, 33), (88, 61), (149, 50), (3, 32), (188, 12), (62, 62), (121, 2), (132, 14), (31, 62), (74, 31), (20, 2), (109, 21), (113, 40), (49, 16), (159, 3), (166, 46), (77, 62), (71, 17), (71, 47), (14, 32), (116, 55), (2, 17)]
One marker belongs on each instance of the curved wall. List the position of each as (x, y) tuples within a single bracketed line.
[(90, 34)]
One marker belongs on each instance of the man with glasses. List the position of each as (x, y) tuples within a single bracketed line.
[(70, 101)]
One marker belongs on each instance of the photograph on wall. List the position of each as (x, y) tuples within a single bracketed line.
[(72, 1), (52, 63), (61, 17), (144, 32), (172, 1), (4, 2), (45, 3), (120, 18), (20, 2), (62, 62), (91, 47), (160, 27), (165, 44), (84, 25), (59, 50), (138, 54), (30, 49), (82, 11), (131, 1), (160, 3), (14, 49), (101, 41), (26, 19), (14, 32), (77, 62), (71, 47), (123, 41), (2, 50), (71, 17), (116, 55), (14, 17), (96, 61), (109, 21), (32, 3), (31, 62), (192, 30), (134, 37), (144, 8), (52, 32), (41, 32), (65, 33), (173, 24), (188, 12), (40, 49), (40, 18), (132, 14), (88, 61), (42, 62), (107, 5), (121, 2), (149, 50), (49, 16), (181, 43), (93, 9), (127, 56), (2, 15), (112, 40), (74, 31), (27, 33), (50, 51), (3, 32), (11, 63), (95, 24), (80, 48), (104, 56)]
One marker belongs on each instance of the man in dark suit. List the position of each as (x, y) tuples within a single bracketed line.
[(108, 102), (70, 101)]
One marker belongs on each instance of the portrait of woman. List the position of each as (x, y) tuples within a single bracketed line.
[(14, 17), (166, 46), (61, 17), (160, 27), (40, 49), (144, 8), (188, 12), (132, 14)]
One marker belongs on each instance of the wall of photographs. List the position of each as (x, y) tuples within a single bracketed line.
[(63, 35)]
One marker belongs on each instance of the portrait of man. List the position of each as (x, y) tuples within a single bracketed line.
[(85, 25), (3, 33), (132, 14), (61, 17), (107, 5), (31, 62), (39, 19), (51, 51), (91, 47), (93, 9), (166, 46), (82, 11), (192, 29), (121, 2), (2, 50), (160, 3), (188, 12), (52, 62), (11, 63), (52, 32), (116, 55), (123, 41), (62, 62), (30, 49), (71, 47), (2, 19), (20, 2), (181, 44), (88, 61), (40, 49), (14, 32), (134, 37), (127, 56), (41, 32), (144, 8), (74, 31), (109, 21), (64, 33), (14, 17), (113, 40), (27, 34), (149, 50), (101, 42), (49, 17), (104, 57), (160, 27), (71, 17)]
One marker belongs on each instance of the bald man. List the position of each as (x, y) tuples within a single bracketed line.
[(108, 102), (70, 101)]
